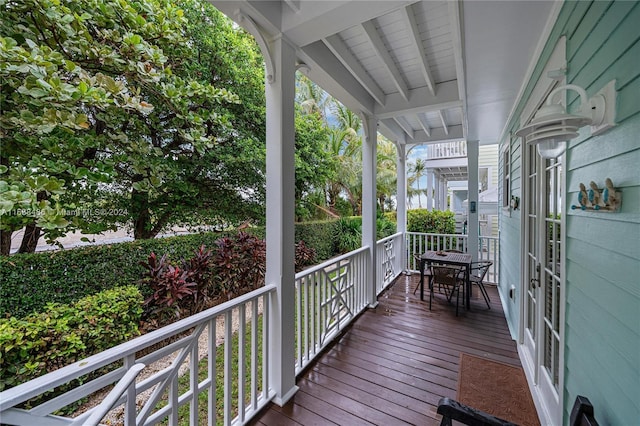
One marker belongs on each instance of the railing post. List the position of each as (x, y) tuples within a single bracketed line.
[(369, 148), (401, 208), (472, 217), (280, 93)]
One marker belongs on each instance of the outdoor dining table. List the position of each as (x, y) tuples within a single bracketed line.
[(447, 258)]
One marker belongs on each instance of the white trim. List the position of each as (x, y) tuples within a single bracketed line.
[(455, 20), (540, 388), (544, 37)]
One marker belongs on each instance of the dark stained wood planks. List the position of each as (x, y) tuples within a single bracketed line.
[(396, 361)]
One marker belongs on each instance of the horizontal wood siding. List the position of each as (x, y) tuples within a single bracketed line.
[(602, 324), (602, 348), (510, 247)]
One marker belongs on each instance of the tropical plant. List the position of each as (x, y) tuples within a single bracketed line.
[(169, 285), (417, 171), (348, 234), (239, 263)]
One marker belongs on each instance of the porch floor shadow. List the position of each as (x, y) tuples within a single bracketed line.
[(395, 362)]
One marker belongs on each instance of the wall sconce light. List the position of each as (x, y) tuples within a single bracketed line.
[(552, 126)]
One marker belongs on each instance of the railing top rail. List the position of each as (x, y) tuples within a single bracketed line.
[(488, 237), (32, 388), (430, 234), (390, 237), (330, 262)]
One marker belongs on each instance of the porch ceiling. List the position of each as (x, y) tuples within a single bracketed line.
[(430, 70)]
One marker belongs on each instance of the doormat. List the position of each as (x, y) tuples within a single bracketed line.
[(496, 388)]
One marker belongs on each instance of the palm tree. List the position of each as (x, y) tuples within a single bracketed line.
[(386, 172), (311, 97), (418, 170)]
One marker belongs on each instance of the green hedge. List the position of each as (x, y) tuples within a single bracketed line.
[(319, 236), (64, 334), (30, 281), (434, 221)]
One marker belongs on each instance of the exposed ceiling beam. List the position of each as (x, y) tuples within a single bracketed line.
[(445, 163), (410, 21), (423, 123), (337, 46), (438, 135), (320, 19), (339, 82), (456, 38), (293, 5), (444, 122), (404, 124), (381, 50), (395, 129), (420, 100)]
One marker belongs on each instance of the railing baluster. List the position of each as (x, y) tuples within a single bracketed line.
[(211, 374), (130, 403), (193, 385), (228, 346), (254, 355), (242, 373)]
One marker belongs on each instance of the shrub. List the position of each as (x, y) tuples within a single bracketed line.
[(169, 285), (384, 227), (64, 334), (239, 263), (348, 234), (305, 255), (319, 236), (435, 221), (30, 281)]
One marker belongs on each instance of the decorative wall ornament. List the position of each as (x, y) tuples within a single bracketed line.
[(515, 202), (607, 199)]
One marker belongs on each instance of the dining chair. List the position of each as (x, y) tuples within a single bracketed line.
[(478, 272), (449, 277), (427, 272)]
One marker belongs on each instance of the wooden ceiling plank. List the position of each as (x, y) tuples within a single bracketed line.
[(341, 51), (382, 52), (416, 42)]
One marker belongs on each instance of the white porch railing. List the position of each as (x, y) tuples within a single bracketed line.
[(418, 243), (328, 297), (167, 392), (447, 150), (389, 260), (490, 250)]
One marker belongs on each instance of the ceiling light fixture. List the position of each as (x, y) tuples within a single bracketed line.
[(552, 127)]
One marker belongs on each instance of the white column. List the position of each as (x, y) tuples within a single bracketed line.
[(472, 218), (429, 190), (444, 195), (436, 193), (401, 197), (280, 220), (369, 152)]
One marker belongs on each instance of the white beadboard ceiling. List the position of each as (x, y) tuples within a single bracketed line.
[(430, 71)]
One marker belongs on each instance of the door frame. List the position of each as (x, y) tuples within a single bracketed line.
[(544, 85)]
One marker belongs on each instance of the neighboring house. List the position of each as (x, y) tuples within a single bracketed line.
[(576, 318)]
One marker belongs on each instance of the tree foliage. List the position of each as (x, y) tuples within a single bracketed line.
[(128, 111)]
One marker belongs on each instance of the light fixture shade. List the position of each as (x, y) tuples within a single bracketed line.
[(551, 128)]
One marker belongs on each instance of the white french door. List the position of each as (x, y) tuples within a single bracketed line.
[(543, 286)]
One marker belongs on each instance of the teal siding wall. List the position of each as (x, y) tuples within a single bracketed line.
[(510, 246), (602, 323)]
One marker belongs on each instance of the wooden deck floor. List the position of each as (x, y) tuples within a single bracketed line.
[(396, 361)]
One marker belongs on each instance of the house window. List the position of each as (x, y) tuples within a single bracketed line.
[(506, 178)]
